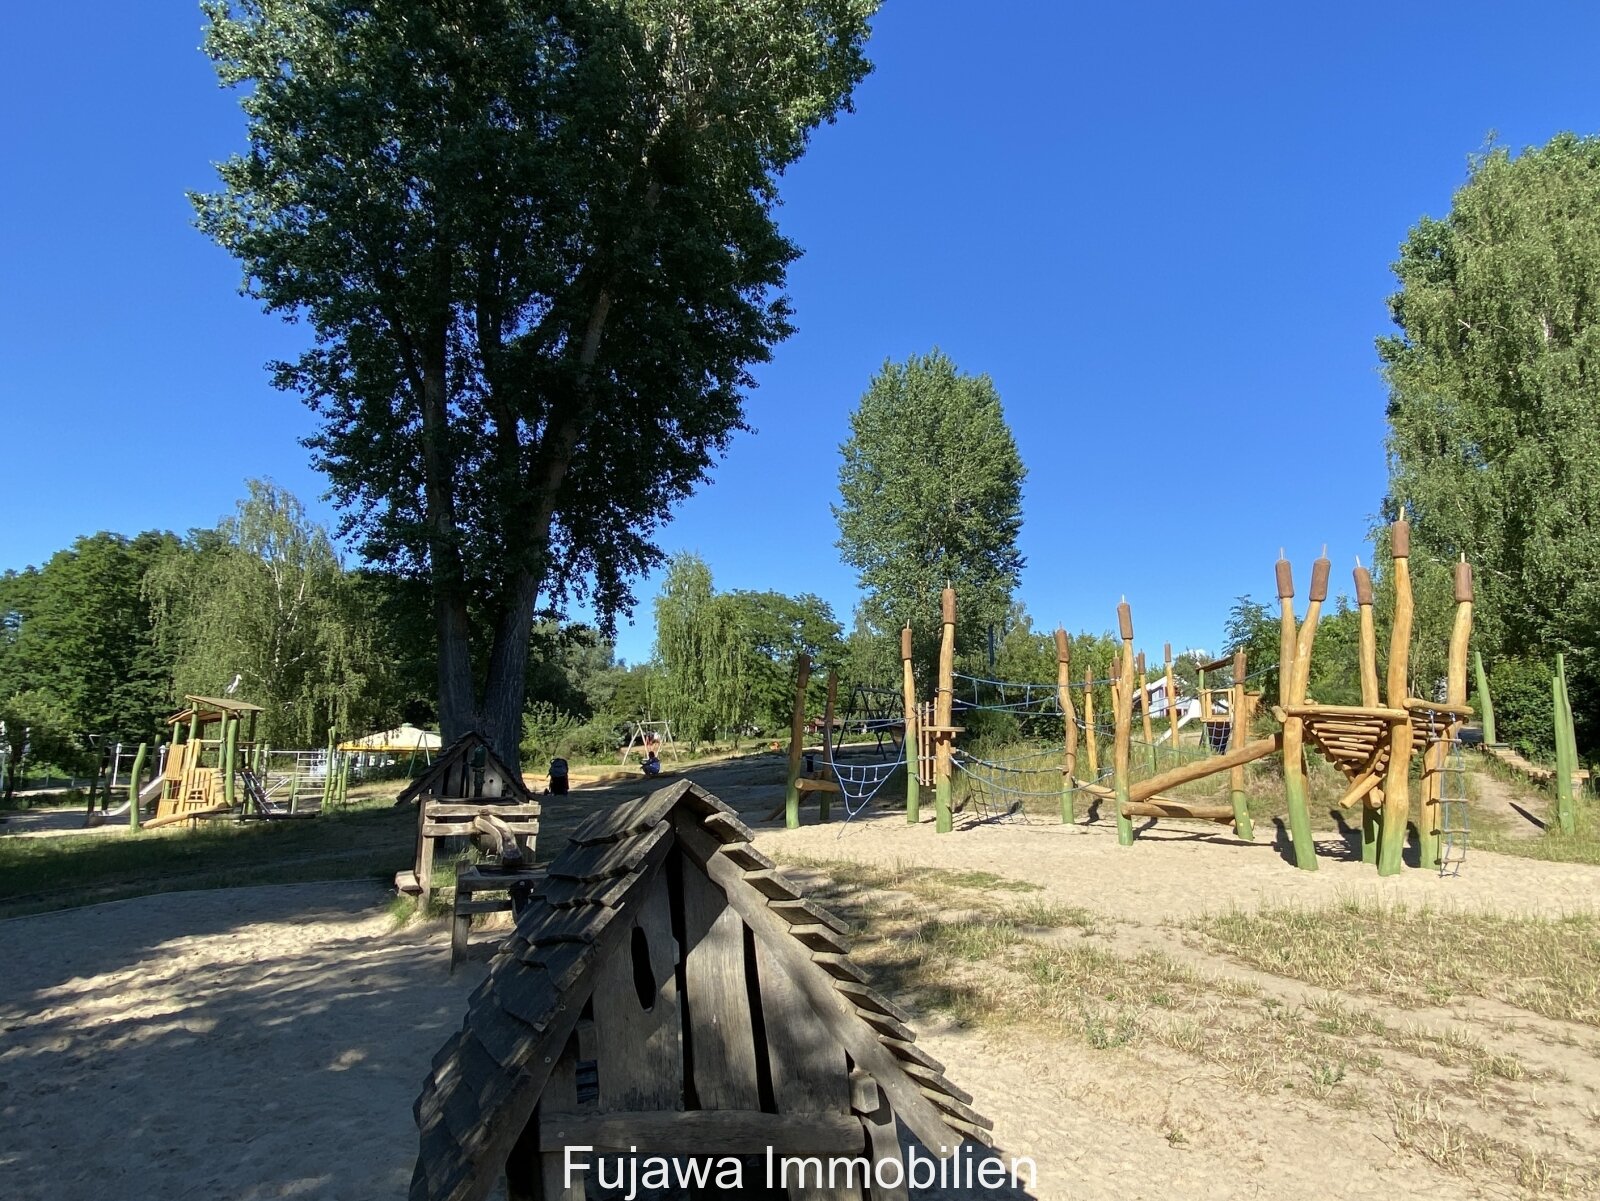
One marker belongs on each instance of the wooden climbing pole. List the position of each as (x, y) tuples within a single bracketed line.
[(1069, 719), (911, 740)]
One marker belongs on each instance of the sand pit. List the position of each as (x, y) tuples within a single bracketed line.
[(268, 1043), (233, 1045)]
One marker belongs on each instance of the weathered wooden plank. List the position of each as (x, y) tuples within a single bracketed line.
[(936, 1081), (630, 817), (770, 883), (603, 860), (716, 999), (819, 938), (912, 1053), (865, 997), (801, 912), (565, 961), (701, 1132), (807, 1062), (729, 828), (746, 856), (528, 994), (470, 809), (914, 1109), (883, 1142), (838, 966), (639, 1048), (560, 1092)]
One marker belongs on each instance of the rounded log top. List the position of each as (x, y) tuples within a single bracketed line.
[(905, 643), (1400, 539), (1363, 585), (1125, 621), (1285, 579), (1140, 663), (1463, 582), (1319, 579), (947, 604), (1063, 647), (1166, 649), (1238, 667)]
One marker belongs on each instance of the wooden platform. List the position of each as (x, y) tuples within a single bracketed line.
[(470, 885)]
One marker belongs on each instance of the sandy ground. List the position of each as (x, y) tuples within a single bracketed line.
[(230, 1045), (269, 1042)]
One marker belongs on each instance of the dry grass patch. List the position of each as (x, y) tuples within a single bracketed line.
[(1420, 956)]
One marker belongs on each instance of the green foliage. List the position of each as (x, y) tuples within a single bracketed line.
[(771, 632), (536, 244), (930, 493), (697, 643), (265, 598), (1524, 705), (39, 732), (1494, 438)]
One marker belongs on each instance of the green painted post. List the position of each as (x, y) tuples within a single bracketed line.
[(1568, 728), (1564, 817), (1485, 703), (230, 746), (344, 778), (133, 786), (1371, 828)]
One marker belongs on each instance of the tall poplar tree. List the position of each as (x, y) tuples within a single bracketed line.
[(930, 492), (535, 242)]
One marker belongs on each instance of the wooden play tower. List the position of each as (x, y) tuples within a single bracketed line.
[(204, 753)]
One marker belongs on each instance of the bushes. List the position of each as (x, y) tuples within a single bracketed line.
[(549, 733), (1524, 710)]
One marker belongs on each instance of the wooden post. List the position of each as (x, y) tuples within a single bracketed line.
[(1091, 743), (133, 786), (1397, 784), (1294, 761), (1563, 777), (1568, 728), (1485, 702), (1239, 731), (908, 740), (191, 754), (1372, 804), (825, 798), (1124, 717), (230, 743), (945, 700), (1172, 706), (1144, 711), (797, 737), (1069, 721)]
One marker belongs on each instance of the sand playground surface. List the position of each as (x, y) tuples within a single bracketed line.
[(268, 1042)]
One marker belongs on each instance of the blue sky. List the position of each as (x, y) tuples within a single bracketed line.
[(1163, 229)]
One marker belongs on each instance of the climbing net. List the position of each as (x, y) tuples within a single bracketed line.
[(860, 783)]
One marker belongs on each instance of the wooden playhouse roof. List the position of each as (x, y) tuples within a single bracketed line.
[(450, 758), (212, 708), (488, 1078)]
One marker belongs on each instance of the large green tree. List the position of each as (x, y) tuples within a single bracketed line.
[(698, 647), (931, 492), (264, 598), (535, 241), (1494, 409), (77, 635)]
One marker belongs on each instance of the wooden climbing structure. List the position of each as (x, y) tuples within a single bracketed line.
[(1372, 744), (211, 739)]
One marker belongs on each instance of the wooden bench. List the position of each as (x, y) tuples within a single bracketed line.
[(453, 819), (474, 881)]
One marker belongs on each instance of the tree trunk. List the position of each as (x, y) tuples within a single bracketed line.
[(457, 712), (506, 690)]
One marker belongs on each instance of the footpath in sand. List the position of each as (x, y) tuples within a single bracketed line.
[(268, 1043)]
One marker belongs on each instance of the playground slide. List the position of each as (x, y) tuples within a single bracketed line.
[(147, 798), (1184, 718)]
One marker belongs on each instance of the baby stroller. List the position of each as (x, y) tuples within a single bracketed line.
[(558, 777)]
